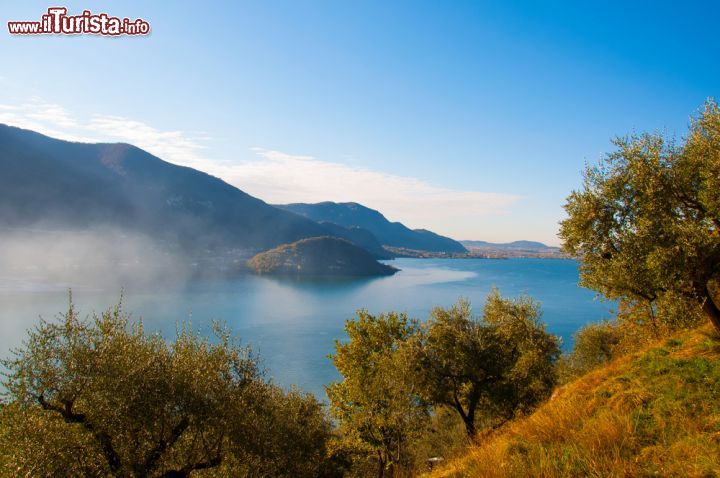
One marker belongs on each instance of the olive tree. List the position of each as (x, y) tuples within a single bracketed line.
[(103, 398), (496, 365), (595, 345), (283, 434), (646, 221), (376, 404)]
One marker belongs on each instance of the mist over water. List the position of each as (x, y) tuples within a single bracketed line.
[(41, 258), (291, 323)]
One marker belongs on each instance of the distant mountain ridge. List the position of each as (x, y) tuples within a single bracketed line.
[(66, 184), (56, 184), (532, 245), (388, 233)]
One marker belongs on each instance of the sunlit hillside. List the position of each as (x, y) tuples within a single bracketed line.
[(654, 413)]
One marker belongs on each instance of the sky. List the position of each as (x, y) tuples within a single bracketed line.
[(472, 119)]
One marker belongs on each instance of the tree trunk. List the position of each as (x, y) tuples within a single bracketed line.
[(467, 418), (711, 308), (470, 418), (381, 465), (470, 426)]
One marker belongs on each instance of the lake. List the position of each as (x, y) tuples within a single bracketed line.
[(293, 323)]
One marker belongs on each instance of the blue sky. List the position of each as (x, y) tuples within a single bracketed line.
[(473, 119)]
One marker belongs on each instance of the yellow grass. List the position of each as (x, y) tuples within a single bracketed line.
[(653, 413)]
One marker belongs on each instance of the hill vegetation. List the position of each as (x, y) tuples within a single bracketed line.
[(319, 256)]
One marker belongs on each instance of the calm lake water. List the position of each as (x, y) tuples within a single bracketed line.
[(293, 324)]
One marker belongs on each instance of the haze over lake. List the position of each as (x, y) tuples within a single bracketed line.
[(293, 323)]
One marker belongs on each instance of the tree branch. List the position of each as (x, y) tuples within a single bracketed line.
[(104, 440), (154, 456)]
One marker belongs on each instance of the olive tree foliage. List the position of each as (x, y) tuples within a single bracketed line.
[(641, 322), (457, 361), (286, 434), (529, 352), (595, 345), (646, 222), (102, 398), (376, 404), (401, 378), (487, 369)]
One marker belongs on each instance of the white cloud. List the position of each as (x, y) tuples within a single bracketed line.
[(51, 113), (43, 117), (54, 120), (174, 146), (278, 177)]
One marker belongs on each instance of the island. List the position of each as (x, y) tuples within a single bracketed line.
[(319, 257)]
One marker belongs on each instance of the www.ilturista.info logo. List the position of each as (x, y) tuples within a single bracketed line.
[(58, 22)]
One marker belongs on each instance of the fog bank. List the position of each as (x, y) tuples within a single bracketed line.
[(41, 258)]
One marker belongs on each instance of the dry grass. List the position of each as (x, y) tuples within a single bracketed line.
[(653, 413)]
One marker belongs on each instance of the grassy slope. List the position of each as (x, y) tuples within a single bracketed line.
[(654, 413)]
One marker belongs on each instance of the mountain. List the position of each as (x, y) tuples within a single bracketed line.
[(388, 233), (527, 245), (65, 184), (319, 256), (358, 236)]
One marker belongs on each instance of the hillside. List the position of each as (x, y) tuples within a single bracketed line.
[(319, 256), (654, 413), (393, 234), (360, 237), (77, 185)]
